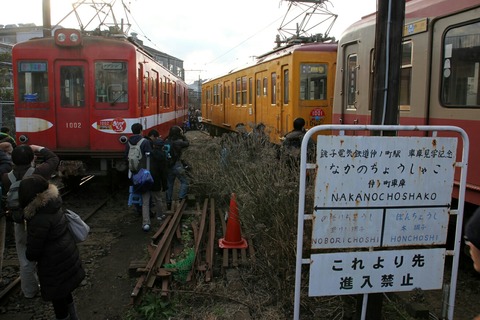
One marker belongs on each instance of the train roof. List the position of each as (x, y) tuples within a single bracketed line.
[(284, 51), (415, 9)]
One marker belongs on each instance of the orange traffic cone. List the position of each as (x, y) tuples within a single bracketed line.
[(233, 238)]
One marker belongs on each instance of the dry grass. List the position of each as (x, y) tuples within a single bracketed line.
[(266, 188)]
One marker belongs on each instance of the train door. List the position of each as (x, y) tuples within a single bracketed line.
[(285, 111), (261, 96), (350, 98), (226, 105), (71, 105)]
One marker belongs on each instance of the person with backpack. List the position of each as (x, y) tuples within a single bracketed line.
[(175, 143), (23, 159), (51, 244), (137, 151), (158, 168)]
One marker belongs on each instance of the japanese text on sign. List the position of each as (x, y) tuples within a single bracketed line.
[(379, 271), (382, 191), (406, 171)]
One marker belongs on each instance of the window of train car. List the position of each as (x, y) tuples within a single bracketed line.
[(250, 90), (244, 91), (238, 91), (72, 86), (241, 91), (274, 88), (154, 91), (265, 86), (313, 81), (111, 82), (215, 94), (146, 85), (406, 76), (286, 84), (351, 81), (33, 81), (461, 66)]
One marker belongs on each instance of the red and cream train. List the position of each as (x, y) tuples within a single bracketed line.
[(439, 78), (79, 94)]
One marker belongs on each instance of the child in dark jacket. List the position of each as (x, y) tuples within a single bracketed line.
[(50, 244)]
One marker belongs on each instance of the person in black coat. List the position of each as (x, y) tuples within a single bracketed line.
[(23, 158), (176, 170), (50, 244), (158, 169)]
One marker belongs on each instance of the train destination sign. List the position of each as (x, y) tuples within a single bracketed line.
[(382, 191), (378, 271)]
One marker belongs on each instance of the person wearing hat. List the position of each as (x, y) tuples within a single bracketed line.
[(23, 158), (472, 240), (50, 244)]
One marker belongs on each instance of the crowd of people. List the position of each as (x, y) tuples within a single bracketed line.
[(48, 255), (49, 259), (163, 159)]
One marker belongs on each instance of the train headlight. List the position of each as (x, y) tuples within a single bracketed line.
[(68, 37), (23, 138), (61, 37), (74, 37)]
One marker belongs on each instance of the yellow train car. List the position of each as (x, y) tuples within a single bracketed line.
[(291, 82)]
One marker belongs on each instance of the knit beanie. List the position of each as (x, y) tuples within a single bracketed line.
[(30, 187), (472, 230), (22, 155)]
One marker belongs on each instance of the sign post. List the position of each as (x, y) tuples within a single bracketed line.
[(390, 199)]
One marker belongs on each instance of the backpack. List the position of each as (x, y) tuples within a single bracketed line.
[(169, 154), (12, 203), (135, 156)]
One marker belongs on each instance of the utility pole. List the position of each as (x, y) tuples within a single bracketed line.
[(388, 54), (386, 81), (47, 23)]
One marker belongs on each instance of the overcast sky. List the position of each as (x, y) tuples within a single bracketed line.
[(210, 36)]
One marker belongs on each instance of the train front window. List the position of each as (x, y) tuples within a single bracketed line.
[(111, 82), (461, 66), (313, 81), (72, 86), (33, 81)]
